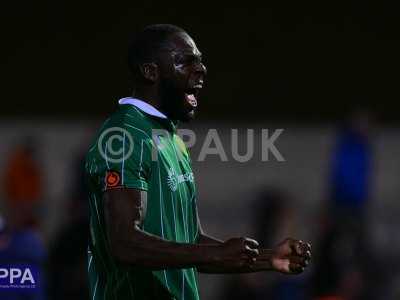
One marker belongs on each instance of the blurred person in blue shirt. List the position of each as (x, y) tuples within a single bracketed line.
[(352, 165), (345, 261), (21, 245)]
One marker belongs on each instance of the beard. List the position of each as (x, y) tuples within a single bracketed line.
[(173, 101)]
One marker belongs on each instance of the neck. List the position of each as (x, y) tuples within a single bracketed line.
[(149, 96)]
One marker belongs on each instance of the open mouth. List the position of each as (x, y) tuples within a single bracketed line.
[(191, 96)]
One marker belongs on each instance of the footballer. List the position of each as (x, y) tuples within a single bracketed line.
[(146, 241)]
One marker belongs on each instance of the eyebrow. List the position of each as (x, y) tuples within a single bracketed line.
[(187, 53), (193, 54)]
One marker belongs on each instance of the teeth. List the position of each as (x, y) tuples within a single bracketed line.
[(192, 100)]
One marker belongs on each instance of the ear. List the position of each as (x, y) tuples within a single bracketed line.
[(149, 71)]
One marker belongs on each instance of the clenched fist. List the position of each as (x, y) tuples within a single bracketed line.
[(238, 252), (290, 256)]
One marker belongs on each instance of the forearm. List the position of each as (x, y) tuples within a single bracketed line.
[(124, 212), (207, 239), (262, 263), (150, 251), (147, 250)]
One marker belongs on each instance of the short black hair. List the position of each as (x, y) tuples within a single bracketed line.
[(145, 45)]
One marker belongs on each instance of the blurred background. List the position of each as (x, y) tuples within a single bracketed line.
[(325, 72)]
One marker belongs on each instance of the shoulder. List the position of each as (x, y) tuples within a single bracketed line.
[(131, 119), (126, 123), (127, 132)]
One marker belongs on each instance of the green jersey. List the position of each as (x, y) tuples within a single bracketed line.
[(137, 147)]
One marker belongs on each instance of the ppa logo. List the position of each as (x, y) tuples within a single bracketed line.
[(18, 277)]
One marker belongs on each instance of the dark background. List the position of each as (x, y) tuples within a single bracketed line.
[(301, 67), (281, 60)]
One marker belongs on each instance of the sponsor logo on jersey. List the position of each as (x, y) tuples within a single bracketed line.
[(175, 179)]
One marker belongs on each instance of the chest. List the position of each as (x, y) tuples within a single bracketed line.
[(171, 163)]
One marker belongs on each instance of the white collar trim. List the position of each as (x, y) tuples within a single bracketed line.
[(143, 106)]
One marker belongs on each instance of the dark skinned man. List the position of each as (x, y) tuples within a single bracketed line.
[(146, 241)]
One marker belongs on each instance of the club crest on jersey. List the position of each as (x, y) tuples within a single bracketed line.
[(113, 179)]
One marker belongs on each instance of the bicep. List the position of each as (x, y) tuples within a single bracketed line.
[(203, 238), (124, 211)]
